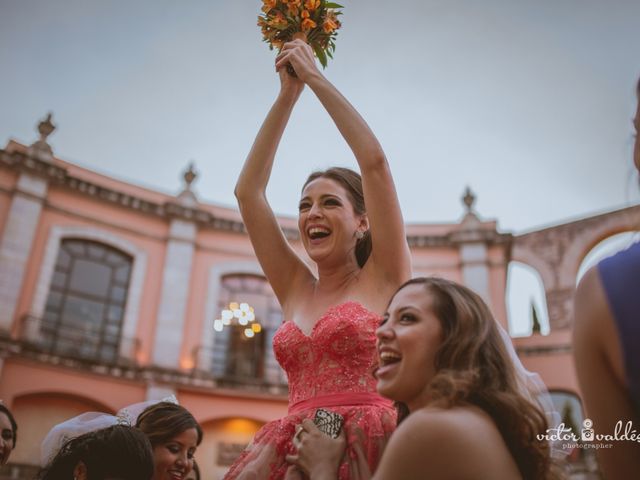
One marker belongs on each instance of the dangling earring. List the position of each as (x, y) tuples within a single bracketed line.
[(359, 235)]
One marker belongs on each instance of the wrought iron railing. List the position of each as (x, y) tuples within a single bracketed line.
[(78, 342), (212, 363)]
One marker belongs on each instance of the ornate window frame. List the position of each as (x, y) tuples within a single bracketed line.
[(136, 282)]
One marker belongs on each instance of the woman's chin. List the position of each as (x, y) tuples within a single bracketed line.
[(385, 389)]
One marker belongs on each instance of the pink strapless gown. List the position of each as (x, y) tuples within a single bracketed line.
[(330, 368)]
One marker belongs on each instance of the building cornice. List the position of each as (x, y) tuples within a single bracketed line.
[(59, 176), (488, 237)]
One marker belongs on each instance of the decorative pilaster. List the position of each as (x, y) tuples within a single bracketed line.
[(20, 228), (175, 283), (473, 250)]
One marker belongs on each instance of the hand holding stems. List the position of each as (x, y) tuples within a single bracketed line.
[(299, 55), (318, 454)]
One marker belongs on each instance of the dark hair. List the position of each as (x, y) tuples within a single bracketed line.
[(196, 469), (119, 451), (474, 367), (14, 426), (164, 420), (352, 183)]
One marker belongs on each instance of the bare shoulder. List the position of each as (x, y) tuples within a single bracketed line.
[(594, 332), (431, 441), (459, 425), (589, 300)]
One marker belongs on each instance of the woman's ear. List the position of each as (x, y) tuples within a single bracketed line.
[(364, 223), (80, 472)]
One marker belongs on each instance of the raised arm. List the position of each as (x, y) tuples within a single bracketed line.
[(390, 256), (280, 263)]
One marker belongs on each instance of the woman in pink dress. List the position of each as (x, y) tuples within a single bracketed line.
[(327, 342)]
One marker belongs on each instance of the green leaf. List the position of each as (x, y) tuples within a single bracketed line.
[(322, 57), (332, 5)]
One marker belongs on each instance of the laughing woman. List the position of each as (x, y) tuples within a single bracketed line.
[(352, 228), (469, 418)]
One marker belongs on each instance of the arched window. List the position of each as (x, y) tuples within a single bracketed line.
[(86, 302), (238, 354), (526, 302)]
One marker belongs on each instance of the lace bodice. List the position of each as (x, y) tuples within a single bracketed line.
[(329, 368), (338, 356)]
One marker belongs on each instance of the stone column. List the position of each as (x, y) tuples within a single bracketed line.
[(176, 278), (16, 243), (475, 268), (20, 228), (473, 250), (175, 294)]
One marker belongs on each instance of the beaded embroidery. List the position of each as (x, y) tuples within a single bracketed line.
[(338, 356)]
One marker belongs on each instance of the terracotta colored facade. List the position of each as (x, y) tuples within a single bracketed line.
[(171, 265)]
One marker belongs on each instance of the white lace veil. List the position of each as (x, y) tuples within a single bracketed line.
[(89, 422), (533, 388)]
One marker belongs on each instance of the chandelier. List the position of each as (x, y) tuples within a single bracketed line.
[(241, 314)]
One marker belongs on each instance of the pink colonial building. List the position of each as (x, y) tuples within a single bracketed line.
[(112, 294)]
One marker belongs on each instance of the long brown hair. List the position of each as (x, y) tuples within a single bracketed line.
[(474, 367), (352, 183), (162, 421)]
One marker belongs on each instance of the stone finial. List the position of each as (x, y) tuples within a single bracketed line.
[(187, 198), (41, 148), (189, 176), (46, 127), (469, 199), (470, 220)]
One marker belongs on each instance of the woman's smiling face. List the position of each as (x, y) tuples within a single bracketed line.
[(6, 438), (174, 458), (408, 340), (327, 220)]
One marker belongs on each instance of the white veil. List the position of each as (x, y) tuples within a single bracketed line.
[(533, 388), (89, 422)]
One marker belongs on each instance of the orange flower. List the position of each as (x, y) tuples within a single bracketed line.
[(294, 7), (268, 5), (307, 24), (278, 20), (329, 25), (331, 22), (311, 4)]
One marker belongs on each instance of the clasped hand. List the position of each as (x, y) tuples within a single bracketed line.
[(300, 56)]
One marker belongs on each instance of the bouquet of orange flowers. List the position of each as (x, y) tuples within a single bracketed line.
[(316, 21)]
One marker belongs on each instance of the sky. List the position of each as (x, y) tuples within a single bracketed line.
[(529, 103)]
